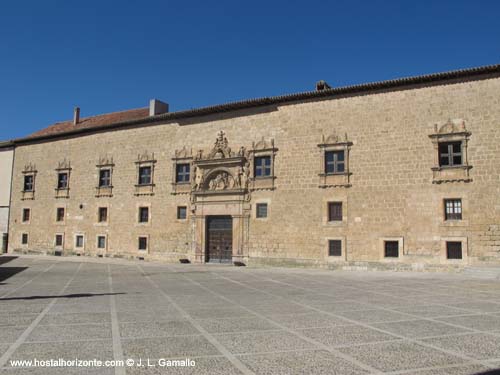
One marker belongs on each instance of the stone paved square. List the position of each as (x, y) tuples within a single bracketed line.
[(232, 320)]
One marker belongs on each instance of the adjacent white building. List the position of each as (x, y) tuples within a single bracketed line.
[(6, 159)]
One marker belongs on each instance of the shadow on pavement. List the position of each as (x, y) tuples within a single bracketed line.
[(79, 295), (6, 272), (6, 258), (491, 372)]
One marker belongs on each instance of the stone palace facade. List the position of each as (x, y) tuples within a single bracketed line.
[(398, 174)]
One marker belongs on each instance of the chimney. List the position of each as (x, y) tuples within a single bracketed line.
[(76, 115), (322, 85), (157, 107)]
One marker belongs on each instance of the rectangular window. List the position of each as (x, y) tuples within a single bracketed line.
[(143, 243), (453, 209), (262, 166), (334, 162), (143, 214), (101, 242), (59, 240), (181, 212), (145, 175), (335, 248), (334, 211), (60, 214), (79, 241), (28, 183), (454, 250), (103, 214), (26, 215), (261, 210), (62, 180), (105, 178), (450, 153), (391, 249), (24, 239), (182, 173)]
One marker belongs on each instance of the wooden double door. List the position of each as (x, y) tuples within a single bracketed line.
[(219, 244)]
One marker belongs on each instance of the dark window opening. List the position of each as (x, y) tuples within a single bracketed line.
[(79, 241), (59, 240), (391, 249), (101, 242), (24, 239), (60, 214), (450, 153), (182, 173), (181, 212), (105, 178), (335, 211), (145, 175), (143, 214), (262, 166), (26, 214), (103, 214), (28, 183), (143, 243), (454, 250), (261, 210), (62, 180), (334, 162), (335, 248), (453, 209)]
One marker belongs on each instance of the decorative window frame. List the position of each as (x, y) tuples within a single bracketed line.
[(401, 249), (145, 160), (182, 156), (465, 211), (451, 131), (63, 167), (465, 250), (334, 143), (104, 163), (29, 170), (335, 259), (325, 210), (259, 149)]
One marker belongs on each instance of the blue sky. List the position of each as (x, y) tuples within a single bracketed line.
[(106, 56)]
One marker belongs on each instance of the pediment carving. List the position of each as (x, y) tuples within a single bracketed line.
[(183, 153), (263, 144), (333, 138), (64, 164), (105, 160), (221, 147), (450, 127), (145, 157), (29, 168)]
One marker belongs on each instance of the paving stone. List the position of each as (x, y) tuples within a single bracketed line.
[(396, 356), (9, 334), (203, 366), (157, 329), (306, 362), (419, 328), (346, 335), (373, 316), (262, 342), (243, 324), (70, 332), (478, 345), (485, 323), (14, 319), (75, 318), (178, 346), (430, 310)]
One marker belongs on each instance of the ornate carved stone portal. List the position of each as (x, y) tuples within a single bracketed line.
[(219, 187)]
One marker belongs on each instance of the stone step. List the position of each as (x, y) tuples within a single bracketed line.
[(483, 271)]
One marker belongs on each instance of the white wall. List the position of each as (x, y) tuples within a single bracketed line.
[(6, 156)]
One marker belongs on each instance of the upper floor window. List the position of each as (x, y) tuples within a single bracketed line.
[(450, 153), (262, 166), (181, 212), (145, 175), (26, 215), (105, 178), (182, 173), (334, 162), (334, 211), (29, 182), (62, 180), (453, 209)]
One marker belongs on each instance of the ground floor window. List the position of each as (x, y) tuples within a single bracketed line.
[(454, 250), (334, 248), (143, 243), (79, 240), (391, 249), (59, 240), (101, 242), (24, 239), (261, 210)]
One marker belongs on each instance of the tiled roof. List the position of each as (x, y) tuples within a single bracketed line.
[(93, 122), (139, 117)]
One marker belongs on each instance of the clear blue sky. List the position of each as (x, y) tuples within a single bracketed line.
[(106, 56)]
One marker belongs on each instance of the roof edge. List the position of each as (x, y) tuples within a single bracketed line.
[(475, 72)]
